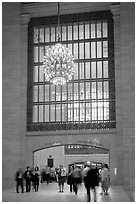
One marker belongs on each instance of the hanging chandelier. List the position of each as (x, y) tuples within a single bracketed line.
[(58, 62)]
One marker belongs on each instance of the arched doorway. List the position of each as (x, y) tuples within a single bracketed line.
[(69, 154)]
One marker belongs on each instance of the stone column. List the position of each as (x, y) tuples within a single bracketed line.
[(115, 9), (25, 18)]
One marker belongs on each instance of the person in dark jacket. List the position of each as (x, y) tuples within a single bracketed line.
[(36, 178), (19, 180), (91, 182), (28, 177), (70, 178)]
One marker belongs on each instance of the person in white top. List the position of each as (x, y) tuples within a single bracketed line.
[(104, 175)]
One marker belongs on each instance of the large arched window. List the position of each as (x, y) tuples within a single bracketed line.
[(86, 102)]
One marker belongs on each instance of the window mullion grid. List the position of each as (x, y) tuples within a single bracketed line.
[(84, 78), (78, 76), (55, 104), (50, 103), (61, 105), (44, 112), (38, 72), (90, 73), (102, 71), (96, 73)]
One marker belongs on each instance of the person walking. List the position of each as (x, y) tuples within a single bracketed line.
[(47, 174), (77, 178), (36, 178), (19, 180), (70, 178), (105, 178), (61, 178), (28, 177), (91, 182)]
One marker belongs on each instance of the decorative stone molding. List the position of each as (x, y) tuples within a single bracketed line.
[(115, 9), (25, 18)]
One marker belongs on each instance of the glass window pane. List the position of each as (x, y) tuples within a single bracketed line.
[(93, 90), (41, 74), (93, 50), (99, 69), (41, 93), (52, 91), (75, 30), (41, 53), (42, 35), (70, 112), (81, 50), (105, 48), (70, 92), (64, 112), (70, 47), (58, 93), (46, 92), (87, 50), (87, 31), (35, 54), (75, 91), (94, 110), (75, 51), (87, 90), (76, 111), (70, 32), (63, 33), (81, 70), (88, 112), (98, 30), (58, 112), (105, 32), (99, 90), (36, 35), (82, 111), (93, 30), (52, 113), (52, 34), (105, 69), (81, 31), (106, 90), (35, 93), (41, 113), (76, 71), (93, 70), (87, 70), (100, 110), (47, 35), (81, 93), (99, 50), (64, 93), (35, 114), (46, 113), (35, 74), (106, 110)]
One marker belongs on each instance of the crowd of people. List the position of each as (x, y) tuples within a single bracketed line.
[(90, 175)]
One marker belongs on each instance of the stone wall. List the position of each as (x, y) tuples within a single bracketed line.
[(18, 146)]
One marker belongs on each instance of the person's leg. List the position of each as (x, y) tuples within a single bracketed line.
[(95, 198), (71, 187), (27, 185), (88, 193), (17, 186)]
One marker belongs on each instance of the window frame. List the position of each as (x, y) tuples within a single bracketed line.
[(79, 17)]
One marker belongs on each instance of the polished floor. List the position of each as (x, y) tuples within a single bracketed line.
[(49, 193)]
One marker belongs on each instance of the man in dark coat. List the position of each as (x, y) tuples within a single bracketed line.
[(28, 176), (91, 182)]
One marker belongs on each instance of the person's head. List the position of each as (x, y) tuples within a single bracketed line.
[(36, 168), (28, 167)]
